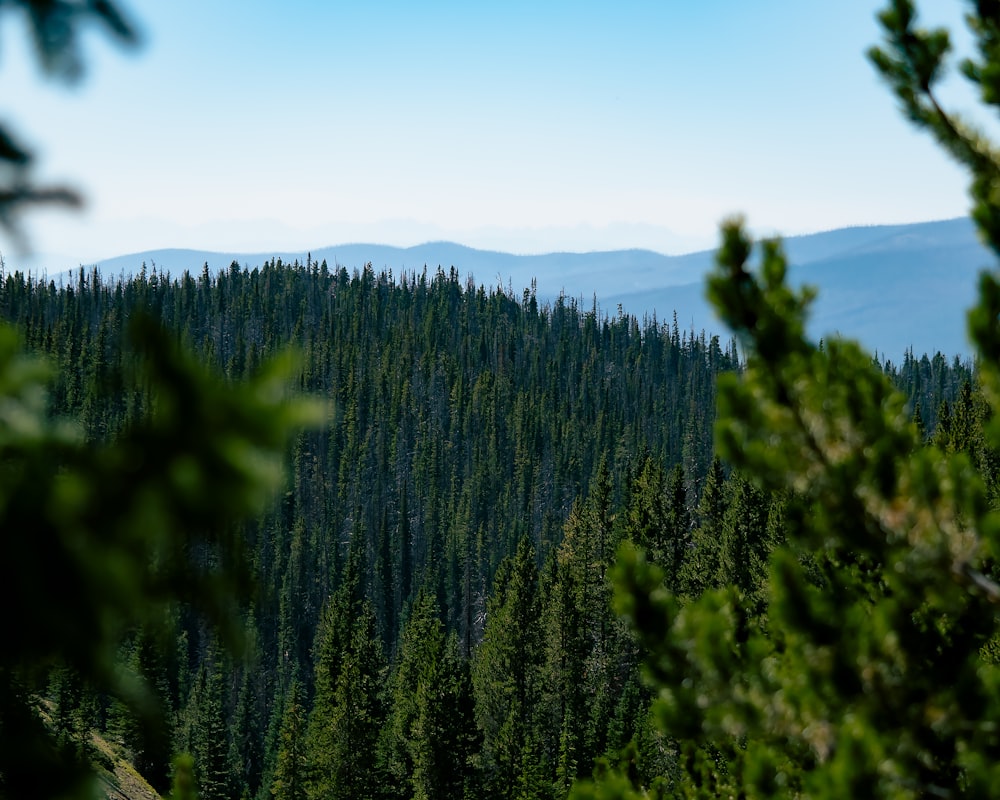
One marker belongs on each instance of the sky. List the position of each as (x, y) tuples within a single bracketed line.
[(519, 126)]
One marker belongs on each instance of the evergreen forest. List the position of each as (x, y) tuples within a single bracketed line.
[(428, 611), (293, 531)]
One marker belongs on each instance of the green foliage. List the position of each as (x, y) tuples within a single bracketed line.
[(816, 621), (349, 710), (101, 538), (184, 782), (434, 466), (867, 673), (210, 737), (703, 564), (433, 738), (746, 543), (442, 452), (292, 770), (505, 673), (247, 752)]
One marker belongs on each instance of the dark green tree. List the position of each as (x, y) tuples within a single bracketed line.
[(247, 751), (210, 734), (745, 542), (566, 642), (147, 740), (432, 731), (292, 769), (702, 566), (345, 724), (505, 674), (646, 518)]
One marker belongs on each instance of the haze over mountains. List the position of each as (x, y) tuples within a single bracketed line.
[(891, 286)]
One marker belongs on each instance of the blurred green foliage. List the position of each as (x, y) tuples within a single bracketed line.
[(870, 672), (99, 539)]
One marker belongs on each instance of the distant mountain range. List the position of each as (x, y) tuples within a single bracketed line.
[(891, 286)]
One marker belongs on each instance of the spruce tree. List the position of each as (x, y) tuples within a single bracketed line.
[(431, 731), (291, 770), (505, 673), (211, 732), (702, 566), (345, 727)]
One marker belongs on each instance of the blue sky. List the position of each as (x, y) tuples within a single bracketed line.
[(520, 126)]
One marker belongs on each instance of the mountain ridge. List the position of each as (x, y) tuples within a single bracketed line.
[(894, 287)]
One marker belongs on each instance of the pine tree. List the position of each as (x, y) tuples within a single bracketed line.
[(563, 703), (505, 672), (291, 770), (432, 732), (703, 568), (211, 732), (646, 519), (678, 523), (247, 755), (345, 728), (745, 544)]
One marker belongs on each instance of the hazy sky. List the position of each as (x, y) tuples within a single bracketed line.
[(525, 126)]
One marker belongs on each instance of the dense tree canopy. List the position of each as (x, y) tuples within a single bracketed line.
[(443, 546)]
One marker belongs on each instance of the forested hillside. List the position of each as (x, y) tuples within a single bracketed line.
[(432, 607), (892, 287)]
